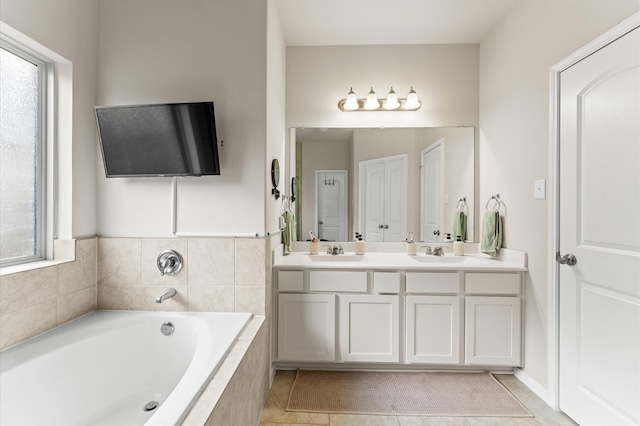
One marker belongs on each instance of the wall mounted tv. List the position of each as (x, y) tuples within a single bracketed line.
[(176, 139)]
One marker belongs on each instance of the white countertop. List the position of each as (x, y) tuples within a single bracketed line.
[(507, 262)]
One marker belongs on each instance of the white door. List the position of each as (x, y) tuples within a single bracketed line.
[(431, 192), (332, 200), (599, 199), (383, 198), (372, 203), (395, 200)]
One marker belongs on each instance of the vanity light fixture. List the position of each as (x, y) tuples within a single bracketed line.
[(372, 103)]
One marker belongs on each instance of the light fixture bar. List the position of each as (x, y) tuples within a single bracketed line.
[(373, 103)]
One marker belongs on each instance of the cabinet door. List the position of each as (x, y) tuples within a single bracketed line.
[(433, 329), (306, 327), (493, 330), (369, 328)]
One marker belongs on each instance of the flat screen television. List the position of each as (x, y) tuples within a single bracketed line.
[(173, 139)]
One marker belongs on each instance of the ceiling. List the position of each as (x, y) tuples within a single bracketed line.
[(362, 22)]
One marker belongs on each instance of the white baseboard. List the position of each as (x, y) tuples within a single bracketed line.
[(535, 387)]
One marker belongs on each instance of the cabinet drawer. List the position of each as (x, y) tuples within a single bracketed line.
[(348, 281), (386, 282), (487, 283), (290, 280), (433, 282)]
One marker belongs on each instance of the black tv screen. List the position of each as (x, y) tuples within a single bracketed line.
[(176, 139)]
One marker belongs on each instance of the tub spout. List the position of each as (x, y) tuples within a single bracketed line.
[(169, 293)]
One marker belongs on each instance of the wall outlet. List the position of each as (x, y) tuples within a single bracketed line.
[(539, 189)]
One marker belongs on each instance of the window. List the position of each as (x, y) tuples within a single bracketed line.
[(23, 150)]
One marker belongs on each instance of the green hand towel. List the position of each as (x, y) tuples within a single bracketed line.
[(459, 226), (289, 231), (491, 233)]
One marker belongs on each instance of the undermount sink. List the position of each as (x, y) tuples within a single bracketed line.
[(446, 259), (337, 258)]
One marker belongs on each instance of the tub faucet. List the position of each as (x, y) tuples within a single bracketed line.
[(169, 293)]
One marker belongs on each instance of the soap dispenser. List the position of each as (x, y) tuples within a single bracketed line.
[(359, 244), (411, 245), (458, 246)]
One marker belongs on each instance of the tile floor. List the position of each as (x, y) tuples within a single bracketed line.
[(274, 411)]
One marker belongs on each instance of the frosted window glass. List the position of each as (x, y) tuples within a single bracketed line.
[(18, 156)]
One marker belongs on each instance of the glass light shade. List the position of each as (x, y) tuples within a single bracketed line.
[(372, 101), (412, 100), (392, 100), (351, 103)]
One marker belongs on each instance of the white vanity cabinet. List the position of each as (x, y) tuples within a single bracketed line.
[(371, 315), (369, 327), (433, 329), (306, 327), (493, 319)]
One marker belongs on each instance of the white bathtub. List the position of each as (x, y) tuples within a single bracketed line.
[(103, 368)]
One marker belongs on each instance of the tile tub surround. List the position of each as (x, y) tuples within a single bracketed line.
[(237, 392), (35, 300), (218, 274)]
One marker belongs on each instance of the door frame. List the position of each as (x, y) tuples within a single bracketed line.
[(552, 394)]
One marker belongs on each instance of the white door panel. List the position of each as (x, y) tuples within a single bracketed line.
[(331, 190), (600, 225), (431, 191)]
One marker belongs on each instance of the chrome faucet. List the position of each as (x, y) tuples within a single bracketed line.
[(438, 251), (168, 294), (335, 250), (428, 251)]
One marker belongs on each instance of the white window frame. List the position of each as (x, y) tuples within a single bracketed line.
[(45, 193)]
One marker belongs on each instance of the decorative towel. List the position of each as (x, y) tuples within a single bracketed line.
[(289, 231), (491, 233), (459, 226)]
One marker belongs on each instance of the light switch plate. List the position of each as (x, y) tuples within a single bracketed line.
[(540, 189)]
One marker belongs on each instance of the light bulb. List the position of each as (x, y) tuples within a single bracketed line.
[(392, 100), (412, 100), (372, 101), (351, 103)]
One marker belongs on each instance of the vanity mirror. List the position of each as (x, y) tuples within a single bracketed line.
[(383, 183)]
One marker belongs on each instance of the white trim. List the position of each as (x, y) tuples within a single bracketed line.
[(553, 323), (534, 386)]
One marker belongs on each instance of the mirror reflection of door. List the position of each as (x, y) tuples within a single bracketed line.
[(383, 198), (331, 203), (432, 190)]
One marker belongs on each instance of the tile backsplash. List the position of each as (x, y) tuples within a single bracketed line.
[(218, 275)]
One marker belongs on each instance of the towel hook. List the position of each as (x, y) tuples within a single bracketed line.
[(496, 206)]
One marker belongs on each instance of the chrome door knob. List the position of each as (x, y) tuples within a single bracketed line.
[(567, 259), (380, 226), (386, 226)]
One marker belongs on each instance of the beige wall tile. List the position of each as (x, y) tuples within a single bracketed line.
[(73, 305), (251, 264), (250, 299), (126, 297), (211, 261), (211, 298), (82, 273), (119, 261), (25, 289), (23, 324), (151, 249)]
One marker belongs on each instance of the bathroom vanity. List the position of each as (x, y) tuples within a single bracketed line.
[(392, 308)]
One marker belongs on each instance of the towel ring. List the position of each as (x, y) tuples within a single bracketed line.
[(496, 206), (462, 203)]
